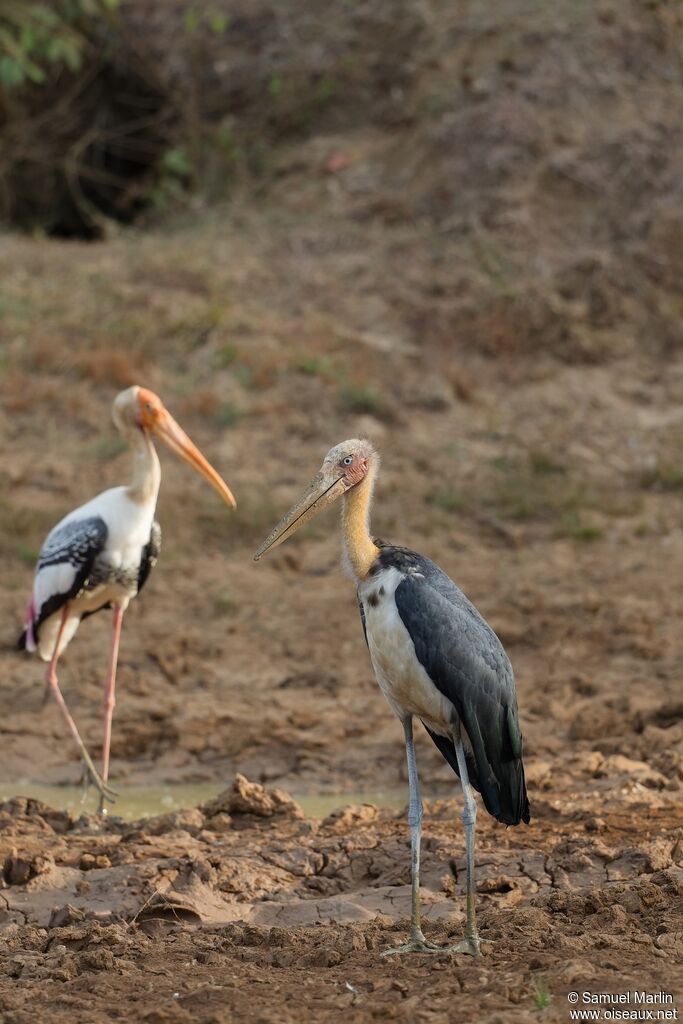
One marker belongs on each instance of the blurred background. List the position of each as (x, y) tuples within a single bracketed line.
[(454, 227)]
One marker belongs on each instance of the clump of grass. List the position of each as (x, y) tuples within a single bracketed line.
[(502, 463), (445, 497), (21, 528), (227, 415), (531, 487), (312, 366), (542, 995), (663, 476), (575, 528), (107, 447), (28, 555), (542, 464), (361, 398), (224, 603), (225, 356), (246, 377), (523, 496)]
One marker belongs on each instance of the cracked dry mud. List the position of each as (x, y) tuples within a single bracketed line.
[(244, 909)]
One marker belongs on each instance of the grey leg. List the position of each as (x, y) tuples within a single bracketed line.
[(417, 942), (470, 944)]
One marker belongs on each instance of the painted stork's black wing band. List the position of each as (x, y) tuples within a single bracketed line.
[(77, 544), (466, 661), (150, 555)]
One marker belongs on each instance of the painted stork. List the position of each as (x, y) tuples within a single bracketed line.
[(434, 657), (101, 554)]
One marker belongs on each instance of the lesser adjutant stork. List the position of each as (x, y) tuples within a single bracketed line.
[(434, 657), (100, 555)]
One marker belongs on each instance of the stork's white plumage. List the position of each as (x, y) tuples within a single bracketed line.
[(112, 530), (100, 555)]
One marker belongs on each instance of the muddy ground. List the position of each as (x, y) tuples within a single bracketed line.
[(489, 287), (244, 910)]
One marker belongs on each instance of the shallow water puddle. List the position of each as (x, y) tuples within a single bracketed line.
[(145, 801)]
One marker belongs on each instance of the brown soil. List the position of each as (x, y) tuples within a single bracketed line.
[(242, 909), (503, 319)]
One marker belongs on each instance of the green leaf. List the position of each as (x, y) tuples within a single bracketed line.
[(218, 22), (35, 73), (176, 162), (27, 39), (11, 73), (192, 19)]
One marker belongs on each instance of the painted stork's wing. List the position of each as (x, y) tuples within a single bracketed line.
[(150, 555), (64, 565), (466, 661)]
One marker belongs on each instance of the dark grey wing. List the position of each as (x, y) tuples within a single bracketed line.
[(362, 619), (64, 565), (466, 661), (150, 555)]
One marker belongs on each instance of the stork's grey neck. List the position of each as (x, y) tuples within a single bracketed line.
[(144, 486)]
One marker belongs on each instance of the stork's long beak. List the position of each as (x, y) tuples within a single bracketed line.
[(177, 440), (322, 491)]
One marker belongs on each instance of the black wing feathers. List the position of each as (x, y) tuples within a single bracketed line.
[(150, 555), (77, 544), (466, 662), (362, 619)]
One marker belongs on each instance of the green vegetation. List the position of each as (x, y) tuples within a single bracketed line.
[(312, 365), (542, 995), (225, 356), (361, 398), (576, 528), (227, 415), (107, 447), (28, 555), (224, 602), (245, 375), (447, 497), (37, 38), (663, 476), (21, 528), (529, 488), (544, 465)]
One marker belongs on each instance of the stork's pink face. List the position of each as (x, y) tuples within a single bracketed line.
[(344, 467), (353, 466), (145, 410)]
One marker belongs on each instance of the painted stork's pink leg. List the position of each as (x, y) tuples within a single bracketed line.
[(109, 694), (53, 685)]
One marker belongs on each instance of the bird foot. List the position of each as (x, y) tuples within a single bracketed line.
[(470, 945), (419, 944), (91, 777)]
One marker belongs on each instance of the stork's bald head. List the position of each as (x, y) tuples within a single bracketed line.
[(344, 467)]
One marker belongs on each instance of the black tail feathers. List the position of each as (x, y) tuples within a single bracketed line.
[(504, 793), (21, 642)]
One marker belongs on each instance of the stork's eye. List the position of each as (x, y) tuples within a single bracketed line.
[(347, 461), (149, 407)]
